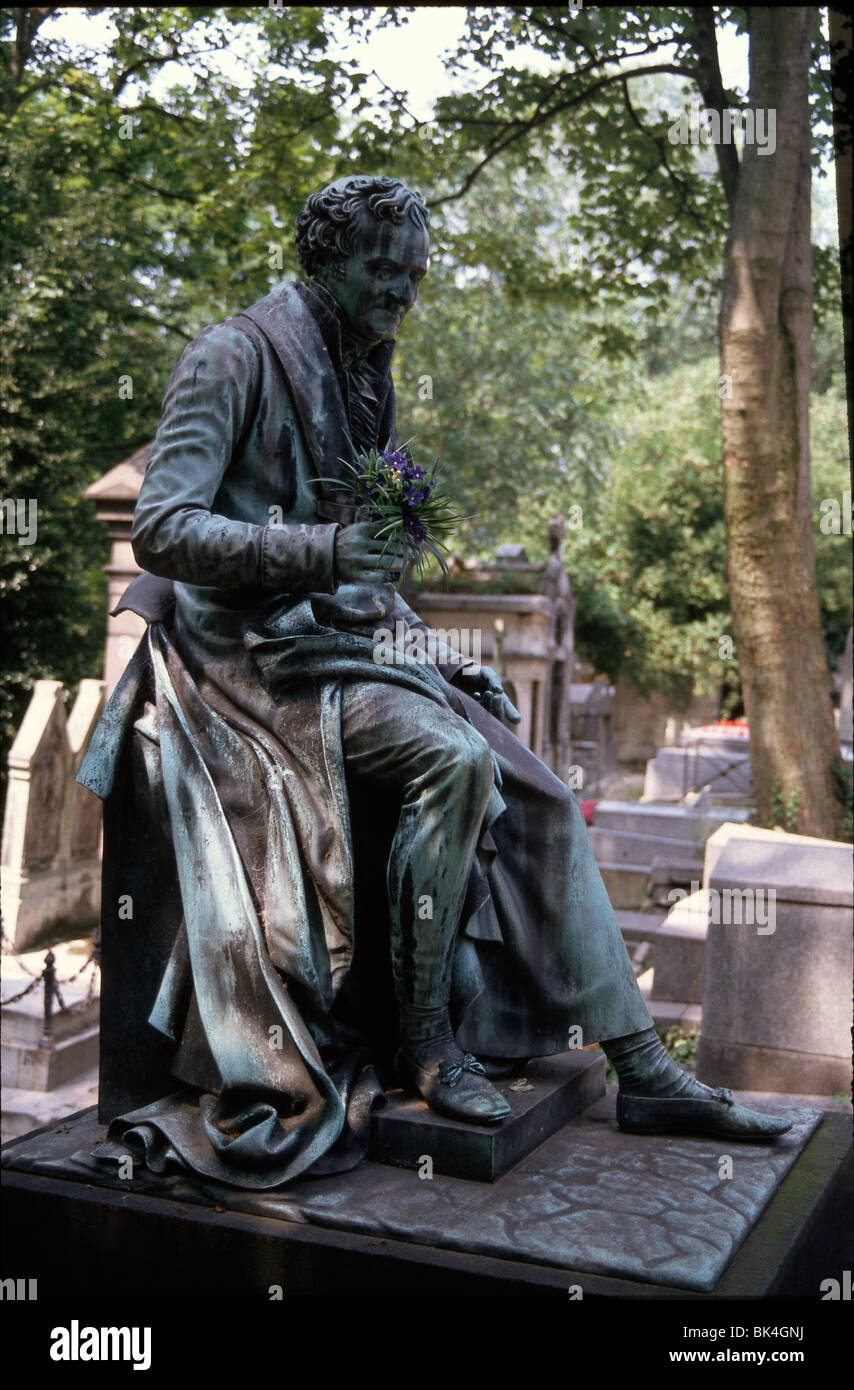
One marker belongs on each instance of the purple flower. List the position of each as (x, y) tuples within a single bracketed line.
[(395, 459)]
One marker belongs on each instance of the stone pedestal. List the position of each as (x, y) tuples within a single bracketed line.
[(546, 1093), (592, 1210), (115, 497), (777, 996)]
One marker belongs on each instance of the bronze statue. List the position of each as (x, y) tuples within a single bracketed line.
[(352, 872)]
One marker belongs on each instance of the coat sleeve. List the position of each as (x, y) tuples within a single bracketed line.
[(447, 660), (175, 533)]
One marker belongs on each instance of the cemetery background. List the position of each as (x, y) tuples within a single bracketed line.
[(620, 435)]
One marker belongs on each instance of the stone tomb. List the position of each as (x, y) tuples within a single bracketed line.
[(680, 941), (777, 993), (51, 855), (51, 890), (707, 757)]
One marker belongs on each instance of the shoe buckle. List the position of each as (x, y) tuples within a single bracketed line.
[(724, 1095)]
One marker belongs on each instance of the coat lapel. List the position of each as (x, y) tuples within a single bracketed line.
[(293, 333)]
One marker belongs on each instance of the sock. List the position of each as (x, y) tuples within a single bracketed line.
[(425, 1029), (644, 1067)]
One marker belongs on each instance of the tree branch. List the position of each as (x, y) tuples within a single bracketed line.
[(162, 111), (517, 130), (27, 25), (663, 161), (133, 182), (123, 77), (711, 86), (157, 323)]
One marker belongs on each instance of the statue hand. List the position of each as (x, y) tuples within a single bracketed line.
[(363, 558), (484, 684)]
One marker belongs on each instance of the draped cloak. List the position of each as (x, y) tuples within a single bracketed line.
[(257, 948)]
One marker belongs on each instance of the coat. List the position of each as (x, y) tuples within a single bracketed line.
[(221, 746)]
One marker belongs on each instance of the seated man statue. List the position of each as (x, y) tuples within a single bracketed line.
[(375, 878)]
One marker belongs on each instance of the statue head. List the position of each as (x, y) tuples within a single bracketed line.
[(365, 240)]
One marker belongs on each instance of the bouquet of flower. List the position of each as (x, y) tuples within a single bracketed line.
[(408, 501)]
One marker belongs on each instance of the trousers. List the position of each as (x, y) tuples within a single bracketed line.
[(439, 769)]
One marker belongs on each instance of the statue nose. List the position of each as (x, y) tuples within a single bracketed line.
[(405, 298)]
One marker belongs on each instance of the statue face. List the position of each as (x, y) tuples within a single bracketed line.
[(380, 278)]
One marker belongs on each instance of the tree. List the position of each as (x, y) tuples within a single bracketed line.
[(130, 216), (766, 326), (650, 206)]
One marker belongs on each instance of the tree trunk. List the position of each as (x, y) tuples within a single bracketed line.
[(766, 328)]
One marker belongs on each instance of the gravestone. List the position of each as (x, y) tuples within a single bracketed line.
[(51, 871), (776, 1014), (705, 758), (51, 889), (632, 840)]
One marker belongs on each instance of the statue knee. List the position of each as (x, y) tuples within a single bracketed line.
[(471, 760)]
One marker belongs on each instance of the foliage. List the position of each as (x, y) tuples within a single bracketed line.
[(563, 357), (142, 194), (647, 567), (843, 776), (507, 392), (785, 811), (830, 478), (657, 535)]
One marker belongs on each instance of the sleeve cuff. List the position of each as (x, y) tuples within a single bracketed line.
[(299, 559)]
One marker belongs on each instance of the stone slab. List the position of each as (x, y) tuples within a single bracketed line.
[(788, 991), (673, 822), (23, 1021), (679, 960), (629, 847), (732, 829), (667, 875), (638, 926), (675, 771), (25, 1110), (35, 1068), (625, 884), (674, 1013), (799, 869), (642, 1211), (747, 1066), (543, 1097)]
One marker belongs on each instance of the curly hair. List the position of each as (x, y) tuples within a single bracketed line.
[(326, 228)]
